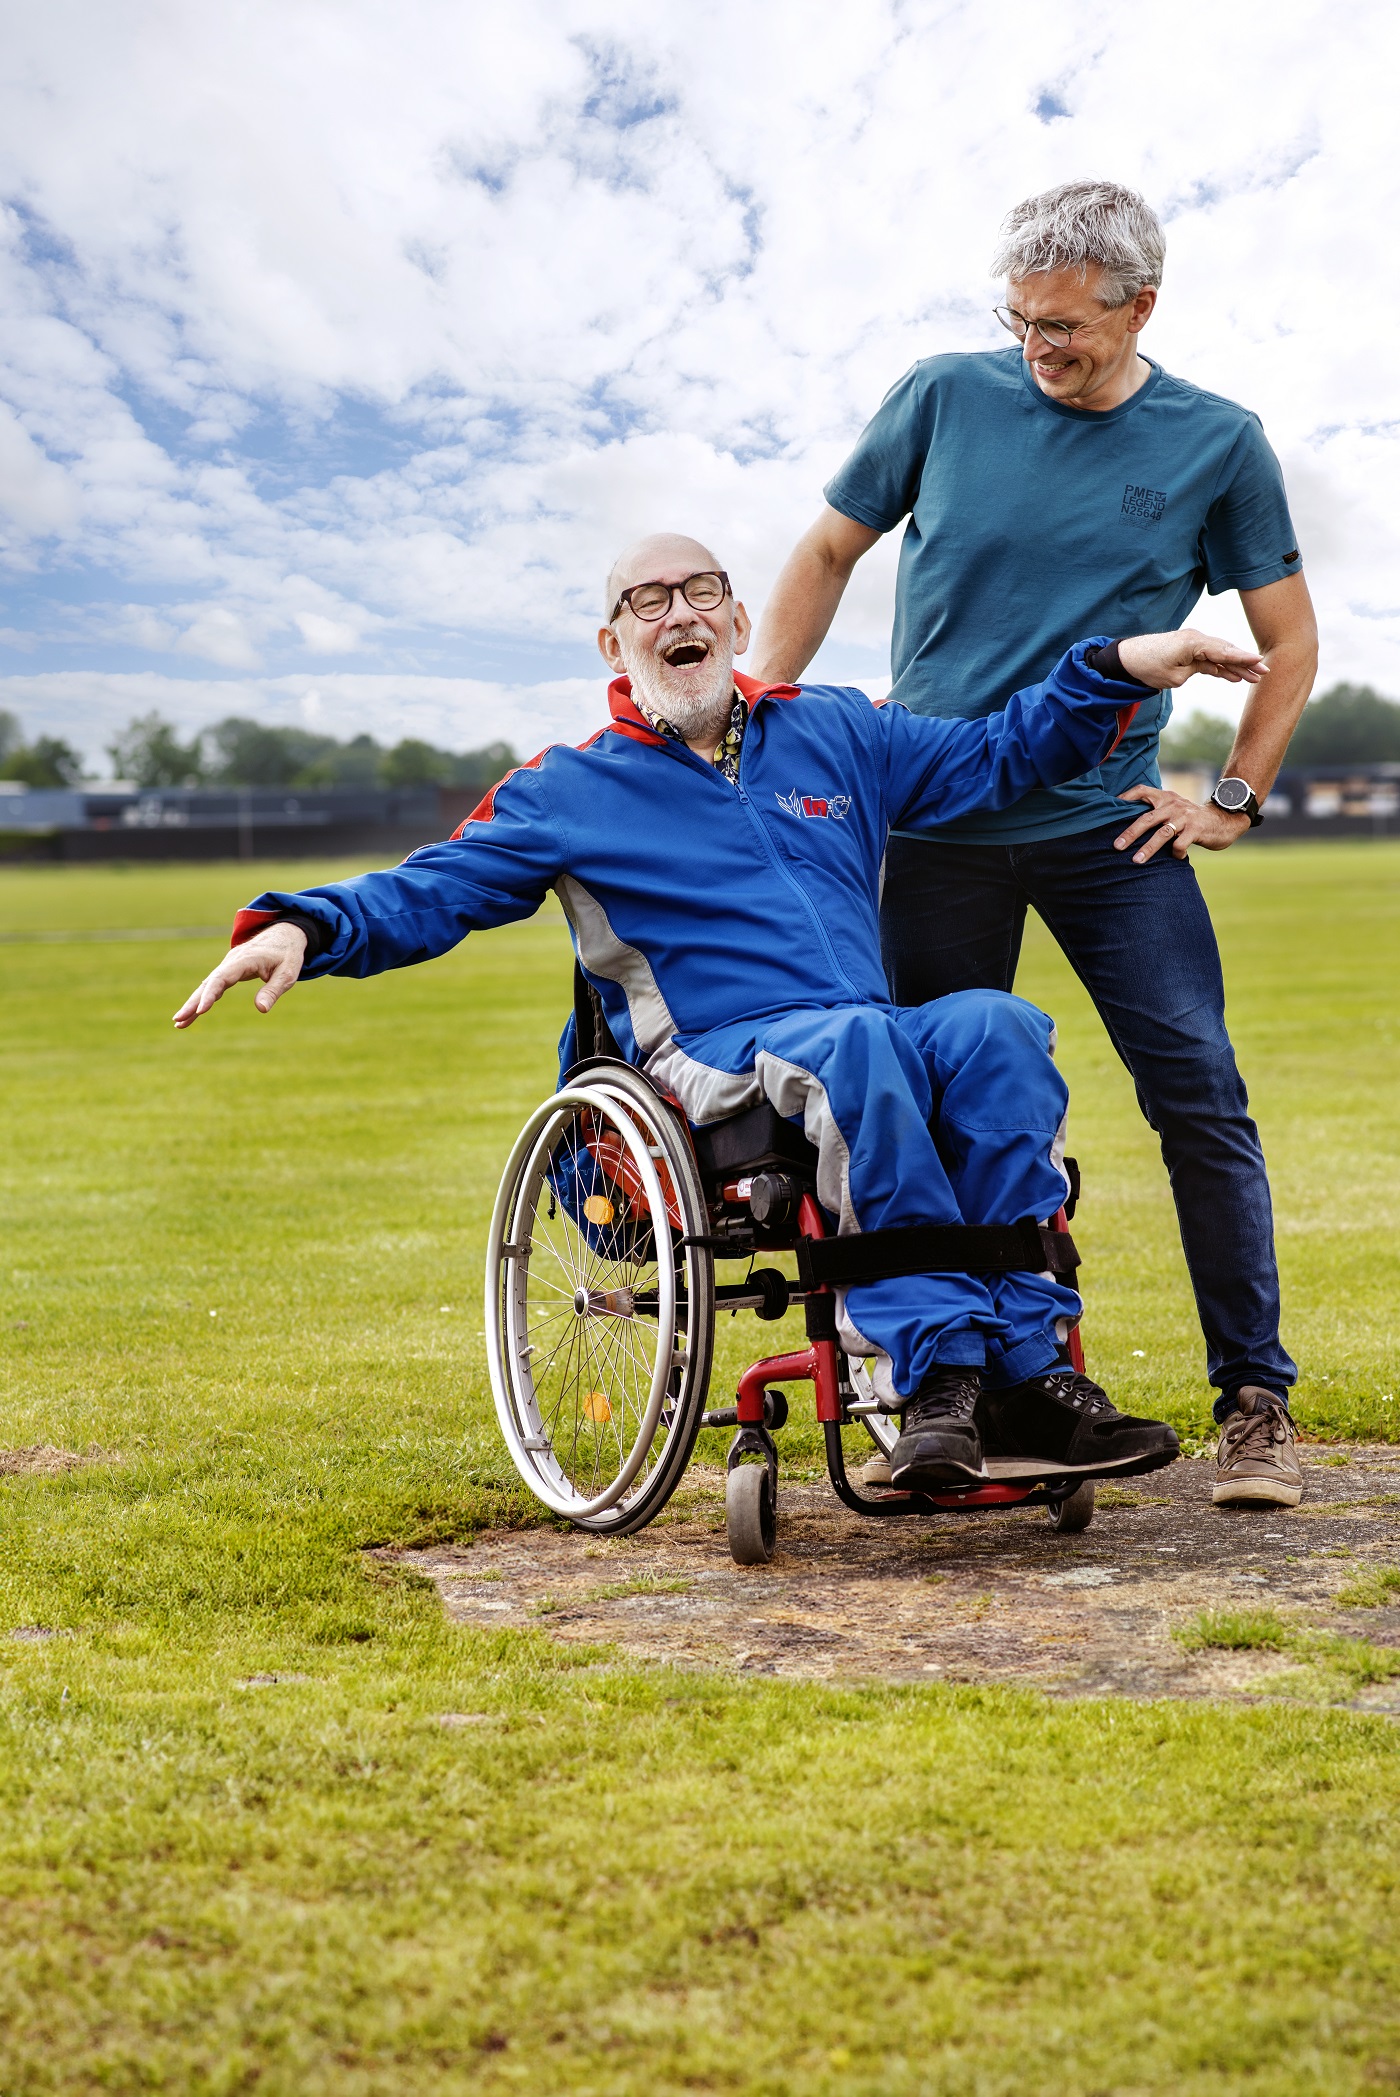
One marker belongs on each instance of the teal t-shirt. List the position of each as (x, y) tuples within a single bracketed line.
[(1032, 525)]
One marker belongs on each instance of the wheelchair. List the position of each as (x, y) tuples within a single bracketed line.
[(601, 1301)]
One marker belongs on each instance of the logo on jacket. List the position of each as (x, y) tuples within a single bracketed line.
[(837, 806)]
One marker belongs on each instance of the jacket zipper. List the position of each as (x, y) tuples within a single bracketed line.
[(771, 853)]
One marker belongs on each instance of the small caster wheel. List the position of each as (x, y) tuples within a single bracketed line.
[(1069, 1516), (750, 1515)]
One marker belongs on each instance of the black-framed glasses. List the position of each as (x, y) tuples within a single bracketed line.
[(651, 601), (1056, 332)]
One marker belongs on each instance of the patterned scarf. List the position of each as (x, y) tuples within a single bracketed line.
[(726, 757)]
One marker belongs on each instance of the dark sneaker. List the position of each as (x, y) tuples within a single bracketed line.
[(938, 1443), (1257, 1463), (1065, 1418)]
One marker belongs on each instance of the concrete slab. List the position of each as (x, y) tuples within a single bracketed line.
[(991, 1597)]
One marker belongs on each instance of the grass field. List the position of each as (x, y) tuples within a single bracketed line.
[(240, 1275)]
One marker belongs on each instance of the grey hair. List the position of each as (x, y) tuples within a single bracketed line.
[(1080, 223)]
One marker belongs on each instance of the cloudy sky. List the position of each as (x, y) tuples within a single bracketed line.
[(343, 342)]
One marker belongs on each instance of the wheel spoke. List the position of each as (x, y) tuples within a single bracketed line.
[(545, 1366), (569, 1343), (613, 1346), (599, 1367)]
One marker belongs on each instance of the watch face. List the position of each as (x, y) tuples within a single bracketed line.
[(1232, 795)]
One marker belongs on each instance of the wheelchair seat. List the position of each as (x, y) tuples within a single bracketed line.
[(757, 1139)]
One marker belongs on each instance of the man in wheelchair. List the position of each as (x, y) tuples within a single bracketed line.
[(717, 850)]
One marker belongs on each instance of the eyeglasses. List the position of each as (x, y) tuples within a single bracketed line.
[(1056, 332), (651, 601)]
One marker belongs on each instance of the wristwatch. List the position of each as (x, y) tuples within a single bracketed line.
[(1237, 797)]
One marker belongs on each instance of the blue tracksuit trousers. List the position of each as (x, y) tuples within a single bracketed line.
[(941, 1113)]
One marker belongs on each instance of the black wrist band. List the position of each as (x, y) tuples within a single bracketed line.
[(318, 935), (1109, 663)]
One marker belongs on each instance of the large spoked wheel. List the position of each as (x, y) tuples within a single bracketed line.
[(599, 1316)]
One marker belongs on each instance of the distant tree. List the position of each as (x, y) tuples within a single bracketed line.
[(356, 763), (1349, 725), (47, 761), (239, 752), (149, 752), (1199, 739), (11, 735), (485, 766), (415, 763)]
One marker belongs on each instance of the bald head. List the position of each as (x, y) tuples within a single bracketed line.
[(649, 557)]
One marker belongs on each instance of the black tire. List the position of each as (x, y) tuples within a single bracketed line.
[(1069, 1516), (749, 1514)]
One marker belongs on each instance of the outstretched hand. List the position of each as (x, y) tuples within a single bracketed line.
[(1166, 660), (275, 954)]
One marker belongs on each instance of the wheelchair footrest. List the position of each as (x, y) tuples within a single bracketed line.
[(1025, 1472), (1026, 1247), (1042, 1470)]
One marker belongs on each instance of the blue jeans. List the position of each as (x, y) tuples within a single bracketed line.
[(1141, 942)]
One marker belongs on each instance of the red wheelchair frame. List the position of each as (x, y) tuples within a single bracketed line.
[(613, 1142), (760, 1406)]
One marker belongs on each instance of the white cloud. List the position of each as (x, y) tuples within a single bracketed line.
[(325, 636), (219, 636), (35, 494), (329, 329)]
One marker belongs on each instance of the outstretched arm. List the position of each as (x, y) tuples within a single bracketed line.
[(495, 871), (1049, 733), (804, 599)]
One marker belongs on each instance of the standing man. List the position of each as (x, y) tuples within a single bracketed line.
[(1072, 486)]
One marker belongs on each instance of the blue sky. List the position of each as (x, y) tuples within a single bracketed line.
[(341, 346)]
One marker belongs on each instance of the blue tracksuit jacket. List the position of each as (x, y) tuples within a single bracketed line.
[(733, 936)]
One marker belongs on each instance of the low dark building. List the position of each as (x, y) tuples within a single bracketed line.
[(226, 823)]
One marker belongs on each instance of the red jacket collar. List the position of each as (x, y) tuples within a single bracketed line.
[(628, 716)]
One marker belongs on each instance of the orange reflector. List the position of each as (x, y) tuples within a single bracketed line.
[(598, 1209), (596, 1407)]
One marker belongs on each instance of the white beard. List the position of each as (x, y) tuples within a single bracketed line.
[(698, 711)]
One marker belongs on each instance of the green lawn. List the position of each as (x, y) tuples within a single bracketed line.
[(240, 1271)]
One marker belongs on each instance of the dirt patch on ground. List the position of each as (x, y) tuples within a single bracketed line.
[(992, 1597), (44, 1460)]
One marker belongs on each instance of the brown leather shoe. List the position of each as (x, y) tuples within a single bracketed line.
[(1257, 1463)]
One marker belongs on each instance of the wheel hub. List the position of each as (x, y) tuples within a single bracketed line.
[(604, 1303)]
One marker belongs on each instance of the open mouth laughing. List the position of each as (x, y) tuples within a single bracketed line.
[(686, 652), (684, 678)]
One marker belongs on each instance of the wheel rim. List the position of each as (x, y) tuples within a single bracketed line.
[(883, 1428), (581, 1303)]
